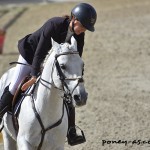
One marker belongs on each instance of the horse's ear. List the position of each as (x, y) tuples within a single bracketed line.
[(73, 44), (52, 41), (55, 45)]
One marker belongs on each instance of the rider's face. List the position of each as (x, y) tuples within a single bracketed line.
[(78, 27)]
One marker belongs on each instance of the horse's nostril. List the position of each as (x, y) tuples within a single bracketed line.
[(76, 97)]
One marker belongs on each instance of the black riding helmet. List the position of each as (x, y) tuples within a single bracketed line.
[(86, 14)]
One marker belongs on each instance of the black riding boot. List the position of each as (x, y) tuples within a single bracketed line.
[(5, 102), (73, 137)]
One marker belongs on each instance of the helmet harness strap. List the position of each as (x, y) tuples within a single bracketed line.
[(73, 25), (73, 20)]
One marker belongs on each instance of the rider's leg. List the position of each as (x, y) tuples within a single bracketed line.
[(21, 71), (73, 137)]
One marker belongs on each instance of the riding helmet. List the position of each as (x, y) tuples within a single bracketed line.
[(86, 14)]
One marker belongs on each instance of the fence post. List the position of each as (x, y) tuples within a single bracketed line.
[(2, 39), (6, 26)]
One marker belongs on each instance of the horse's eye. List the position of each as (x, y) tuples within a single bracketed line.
[(63, 67)]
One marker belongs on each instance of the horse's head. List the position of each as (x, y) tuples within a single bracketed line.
[(68, 72)]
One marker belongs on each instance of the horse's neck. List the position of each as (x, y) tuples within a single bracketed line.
[(48, 102)]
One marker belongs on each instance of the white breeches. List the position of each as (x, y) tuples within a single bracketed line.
[(21, 71)]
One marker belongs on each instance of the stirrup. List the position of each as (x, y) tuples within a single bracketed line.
[(82, 133), (79, 139)]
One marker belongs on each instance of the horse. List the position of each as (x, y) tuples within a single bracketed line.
[(43, 119)]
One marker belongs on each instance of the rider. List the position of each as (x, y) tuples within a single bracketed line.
[(34, 47)]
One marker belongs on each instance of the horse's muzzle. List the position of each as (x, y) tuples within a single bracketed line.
[(81, 99)]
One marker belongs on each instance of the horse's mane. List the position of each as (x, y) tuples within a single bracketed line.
[(47, 56), (54, 48)]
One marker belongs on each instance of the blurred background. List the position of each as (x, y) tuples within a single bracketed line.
[(117, 70)]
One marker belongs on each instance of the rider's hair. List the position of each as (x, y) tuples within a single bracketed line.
[(67, 16)]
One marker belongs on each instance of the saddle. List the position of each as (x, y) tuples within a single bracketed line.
[(17, 101), (19, 92)]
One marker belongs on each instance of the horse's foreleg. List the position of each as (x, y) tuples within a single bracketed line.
[(22, 144), (9, 142)]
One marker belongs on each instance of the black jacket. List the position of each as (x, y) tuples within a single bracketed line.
[(34, 47)]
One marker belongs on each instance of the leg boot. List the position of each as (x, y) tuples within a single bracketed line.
[(5, 102), (73, 137)]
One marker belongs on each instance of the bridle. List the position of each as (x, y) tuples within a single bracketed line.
[(63, 78), (67, 93)]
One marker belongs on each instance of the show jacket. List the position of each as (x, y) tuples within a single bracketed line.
[(34, 47)]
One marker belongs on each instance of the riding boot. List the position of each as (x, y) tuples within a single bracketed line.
[(5, 102), (73, 137)]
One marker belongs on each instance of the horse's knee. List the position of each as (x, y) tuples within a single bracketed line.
[(9, 142)]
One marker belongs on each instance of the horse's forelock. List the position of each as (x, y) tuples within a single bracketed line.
[(64, 47)]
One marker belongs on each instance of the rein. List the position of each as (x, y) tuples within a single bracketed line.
[(63, 78)]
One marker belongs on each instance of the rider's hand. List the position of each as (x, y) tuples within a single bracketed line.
[(28, 83)]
